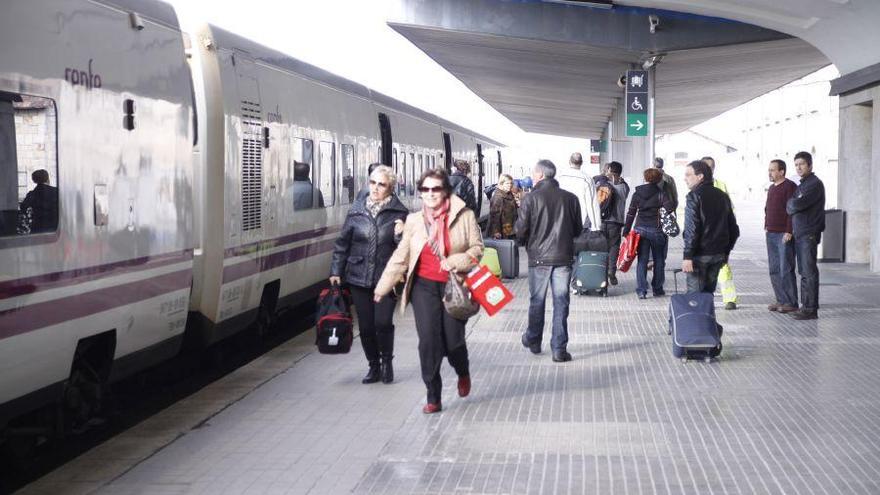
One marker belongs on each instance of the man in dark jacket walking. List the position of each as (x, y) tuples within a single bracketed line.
[(807, 210), (463, 187), (549, 220), (612, 222), (710, 229)]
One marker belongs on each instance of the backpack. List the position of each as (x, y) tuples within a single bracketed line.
[(334, 329), (605, 196)]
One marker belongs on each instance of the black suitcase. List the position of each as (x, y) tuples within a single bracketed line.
[(695, 332), (591, 240), (590, 273), (508, 255), (334, 328)]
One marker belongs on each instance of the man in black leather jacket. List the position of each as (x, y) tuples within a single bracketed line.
[(549, 220), (807, 210), (710, 229)]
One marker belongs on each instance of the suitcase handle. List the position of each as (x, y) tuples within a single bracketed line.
[(675, 272)]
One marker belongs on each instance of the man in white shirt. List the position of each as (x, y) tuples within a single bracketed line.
[(575, 181)]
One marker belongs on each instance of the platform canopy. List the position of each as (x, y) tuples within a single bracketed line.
[(551, 67)]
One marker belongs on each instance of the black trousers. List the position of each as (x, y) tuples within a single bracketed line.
[(375, 322), (439, 335), (612, 233)]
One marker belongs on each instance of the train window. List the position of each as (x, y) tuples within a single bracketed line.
[(348, 182), (411, 189), (401, 175), (304, 193), (28, 165), (327, 172)]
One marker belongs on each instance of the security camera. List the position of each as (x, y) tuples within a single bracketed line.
[(653, 22), (621, 81)]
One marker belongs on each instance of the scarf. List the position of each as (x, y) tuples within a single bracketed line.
[(435, 224), (374, 207)]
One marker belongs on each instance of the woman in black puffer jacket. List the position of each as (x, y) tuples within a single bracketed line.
[(644, 209), (370, 234)]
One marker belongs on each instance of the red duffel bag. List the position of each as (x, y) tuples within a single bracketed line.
[(629, 249)]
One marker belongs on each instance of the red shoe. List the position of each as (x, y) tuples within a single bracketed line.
[(431, 408), (464, 385)]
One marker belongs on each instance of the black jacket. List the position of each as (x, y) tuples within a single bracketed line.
[(463, 187), (645, 205), (549, 220), (43, 200), (807, 207), (709, 223), (365, 243)]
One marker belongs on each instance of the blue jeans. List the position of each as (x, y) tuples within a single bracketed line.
[(652, 244), (557, 278), (780, 259), (805, 250)]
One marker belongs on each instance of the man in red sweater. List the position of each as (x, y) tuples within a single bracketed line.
[(780, 247)]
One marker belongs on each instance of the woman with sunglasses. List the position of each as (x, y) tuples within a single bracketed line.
[(441, 241), (369, 235)]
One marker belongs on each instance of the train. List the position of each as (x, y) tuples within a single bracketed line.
[(175, 218)]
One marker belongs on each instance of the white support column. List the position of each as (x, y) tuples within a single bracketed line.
[(854, 179), (859, 175), (874, 172)]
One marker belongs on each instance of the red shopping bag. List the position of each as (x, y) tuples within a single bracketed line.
[(488, 290), (629, 249)]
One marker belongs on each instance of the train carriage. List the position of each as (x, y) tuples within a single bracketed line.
[(201, 180), (101, 99)]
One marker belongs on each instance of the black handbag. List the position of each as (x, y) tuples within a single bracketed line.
[(457, 299)]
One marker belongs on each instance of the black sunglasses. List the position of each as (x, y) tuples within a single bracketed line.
[(431, 189), (380, 184)]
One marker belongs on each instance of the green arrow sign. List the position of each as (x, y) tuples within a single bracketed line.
[(636, 124)]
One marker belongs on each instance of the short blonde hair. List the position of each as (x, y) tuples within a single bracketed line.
[(505, 177), (389, 174)]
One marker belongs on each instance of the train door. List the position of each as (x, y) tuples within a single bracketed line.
[(447, 152), (253, 141), (479, 181), (385, 139)]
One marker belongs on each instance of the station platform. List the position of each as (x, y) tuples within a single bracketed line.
[(790, 407)]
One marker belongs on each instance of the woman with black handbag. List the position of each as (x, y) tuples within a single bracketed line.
[(644, 211), (369, 235), (440, 244)]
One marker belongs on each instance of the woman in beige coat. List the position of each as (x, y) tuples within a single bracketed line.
[(442, 238)]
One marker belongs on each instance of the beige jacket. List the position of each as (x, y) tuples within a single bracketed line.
[(465, 242)]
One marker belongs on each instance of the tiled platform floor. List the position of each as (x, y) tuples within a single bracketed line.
[(791, 407)]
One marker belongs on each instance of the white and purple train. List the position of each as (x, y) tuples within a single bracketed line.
[(175, 216)]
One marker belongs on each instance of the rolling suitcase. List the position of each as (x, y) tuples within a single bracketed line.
[(695, 333), (590, 273), (508, 255)]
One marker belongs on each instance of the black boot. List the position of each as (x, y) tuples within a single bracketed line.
[(373, 373), (386, 369)]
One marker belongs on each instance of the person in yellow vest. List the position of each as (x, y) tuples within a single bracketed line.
[(725, 276)]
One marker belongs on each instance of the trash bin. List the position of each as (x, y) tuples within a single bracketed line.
[(833, 245)]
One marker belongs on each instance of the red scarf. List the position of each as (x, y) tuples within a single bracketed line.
[(436, 225)]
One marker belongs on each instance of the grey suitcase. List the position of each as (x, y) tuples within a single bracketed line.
[(590, 273), (508, 255)]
